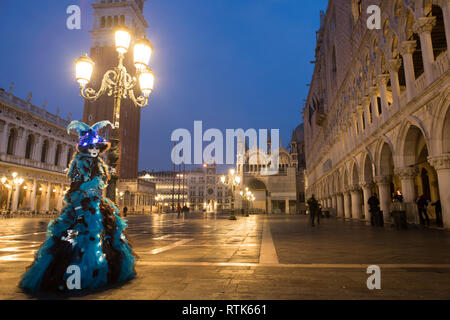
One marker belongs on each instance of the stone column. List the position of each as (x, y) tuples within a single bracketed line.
[(51, 151), (334, 204), (423, 28), (407, 176), (446, 16), (384, 188), (287, 206), (347, 205), (393, 66), (33, 195), (340, 206), (442, 166), (382, 81), (4, 127), (59, 202), (407, 49), (22, 143), (15, 198), (37, 149), (356, 203), (374, 102), (48, 192), (269, 204), (366, 187), (63, 156)]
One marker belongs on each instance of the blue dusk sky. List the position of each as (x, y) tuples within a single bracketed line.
[(230, 63)]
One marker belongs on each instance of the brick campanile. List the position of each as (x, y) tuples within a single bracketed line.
[(108, 15)]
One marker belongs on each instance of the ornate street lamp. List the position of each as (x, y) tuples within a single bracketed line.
[(119, 84), (158, 199), (231, 180)]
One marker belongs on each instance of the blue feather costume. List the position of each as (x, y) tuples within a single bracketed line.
[(89, 233)]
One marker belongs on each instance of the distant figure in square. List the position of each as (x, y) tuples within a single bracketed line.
[(422, 204), (314, 210)]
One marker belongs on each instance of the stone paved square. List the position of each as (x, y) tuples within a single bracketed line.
[(202, 256)]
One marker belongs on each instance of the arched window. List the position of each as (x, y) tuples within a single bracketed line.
[(103, 22), (44, 151), (29, 147), (109, 22), (12, 139), (116, 21), (438, 33), (122, 21), (58, 154)]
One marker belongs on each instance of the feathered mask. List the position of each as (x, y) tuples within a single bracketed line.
[(89, 137)]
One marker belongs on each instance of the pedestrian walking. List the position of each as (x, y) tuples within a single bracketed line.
[(422, 204), (314, 210), (374, 209), (125, 210), (438, 209)]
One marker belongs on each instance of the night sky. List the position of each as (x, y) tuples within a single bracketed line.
[(230, 63)]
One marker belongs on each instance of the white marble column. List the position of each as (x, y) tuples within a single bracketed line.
[(407, 49), (59, 202), (347, 205), (287, 206), (423, 28), (366, 187), (442, 166), (384, 188), (356, 203), (393, 66)]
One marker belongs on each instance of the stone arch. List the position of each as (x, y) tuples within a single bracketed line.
[(354, 173), (13, 137), (367, 171), (446, 133)]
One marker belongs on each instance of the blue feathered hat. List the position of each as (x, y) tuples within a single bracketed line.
[(89, 137)]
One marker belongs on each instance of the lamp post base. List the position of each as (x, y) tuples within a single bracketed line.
[(232, 217)]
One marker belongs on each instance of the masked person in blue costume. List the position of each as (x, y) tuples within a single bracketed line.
[(89, 234)]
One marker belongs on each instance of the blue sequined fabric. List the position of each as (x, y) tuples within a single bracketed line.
[(88, 234)]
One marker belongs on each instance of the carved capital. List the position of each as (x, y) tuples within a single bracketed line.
[(384, 78), (366, 185), (365, 101), (408, 47), (383, 180), (424, 24), (354, 188), (406, 173), (440, 163), (394, 64)]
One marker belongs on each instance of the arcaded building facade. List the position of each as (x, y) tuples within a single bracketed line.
[(377, 117)]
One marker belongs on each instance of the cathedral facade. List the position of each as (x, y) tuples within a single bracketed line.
[(377, 117)]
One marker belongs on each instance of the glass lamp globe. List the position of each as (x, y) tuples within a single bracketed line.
[(84, 67), (146, 82), (143, 50), (123, 40)]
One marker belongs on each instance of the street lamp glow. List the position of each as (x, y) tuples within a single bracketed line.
[(84, 66), (222, 178), (14, 174), (123, 40), (3, 180), (232, 172), (142, 53), (146, 81), (237, 180)]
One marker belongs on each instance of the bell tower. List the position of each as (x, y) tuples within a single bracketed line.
[(109, 15)]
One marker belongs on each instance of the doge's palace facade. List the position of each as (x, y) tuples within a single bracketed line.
[(377, 117), (34, 145)]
